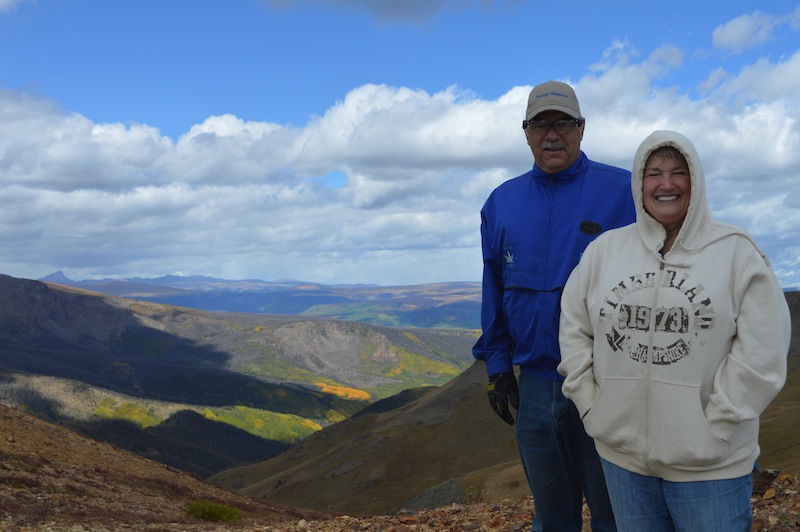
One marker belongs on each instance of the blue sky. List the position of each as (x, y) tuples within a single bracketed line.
[(354, 141)]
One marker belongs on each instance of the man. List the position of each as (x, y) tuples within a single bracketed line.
[(534, 228)]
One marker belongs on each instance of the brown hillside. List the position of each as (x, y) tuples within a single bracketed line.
[(446, 447), (385, 462), (780, 431), (445, 458), (51, 478)]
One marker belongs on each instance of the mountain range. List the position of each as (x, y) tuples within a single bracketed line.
[(425, 439), (103, 363), (439, 305)]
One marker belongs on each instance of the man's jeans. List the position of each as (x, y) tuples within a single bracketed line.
[(656, 505), (559, 459)]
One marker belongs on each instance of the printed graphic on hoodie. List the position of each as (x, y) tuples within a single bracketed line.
[(677, 325)]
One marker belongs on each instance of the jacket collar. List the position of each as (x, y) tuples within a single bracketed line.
[(565, 175)]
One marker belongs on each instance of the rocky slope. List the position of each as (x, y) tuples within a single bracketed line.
[(53, 479)]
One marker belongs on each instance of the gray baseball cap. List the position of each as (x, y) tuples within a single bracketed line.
[(553, 96)]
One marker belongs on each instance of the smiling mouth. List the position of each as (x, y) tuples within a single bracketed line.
[(672, 197)]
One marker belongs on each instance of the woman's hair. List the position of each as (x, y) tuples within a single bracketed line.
[(669, 152)]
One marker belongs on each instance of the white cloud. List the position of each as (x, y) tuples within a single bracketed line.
[(714, 79), (243, 199), (751, 30), (8, 5), (43, 146), (764, 80)]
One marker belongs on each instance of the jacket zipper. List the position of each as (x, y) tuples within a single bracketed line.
[(648, 367)]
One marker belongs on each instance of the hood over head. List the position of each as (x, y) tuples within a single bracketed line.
[(698, 224)]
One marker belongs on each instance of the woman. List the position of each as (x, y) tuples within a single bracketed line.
[(674, 338)]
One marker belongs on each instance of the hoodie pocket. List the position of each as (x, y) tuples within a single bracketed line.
[(617, 417), (679, 433)]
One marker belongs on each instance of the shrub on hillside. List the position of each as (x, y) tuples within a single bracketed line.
[(212, 511)]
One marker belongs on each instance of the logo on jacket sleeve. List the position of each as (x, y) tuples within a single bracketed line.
[(508, 257)]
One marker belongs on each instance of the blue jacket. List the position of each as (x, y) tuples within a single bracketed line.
[(533, 230)]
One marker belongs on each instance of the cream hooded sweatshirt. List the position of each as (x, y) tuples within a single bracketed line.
[(670, 360)]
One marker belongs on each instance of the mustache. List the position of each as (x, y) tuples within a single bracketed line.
[(553, 145)]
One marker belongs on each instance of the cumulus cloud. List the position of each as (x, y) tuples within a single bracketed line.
[(752, 30), (385, 186)]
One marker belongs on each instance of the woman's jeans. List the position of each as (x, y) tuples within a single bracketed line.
[(559, 459), (656, 505)]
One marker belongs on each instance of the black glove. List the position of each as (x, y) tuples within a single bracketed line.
[(503, 390)]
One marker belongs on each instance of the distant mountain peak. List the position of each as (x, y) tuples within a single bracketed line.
[(57, 277)]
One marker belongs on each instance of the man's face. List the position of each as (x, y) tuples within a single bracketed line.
[(553, 152)]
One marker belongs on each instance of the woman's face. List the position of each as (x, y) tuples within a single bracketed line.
[(667, 189)]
